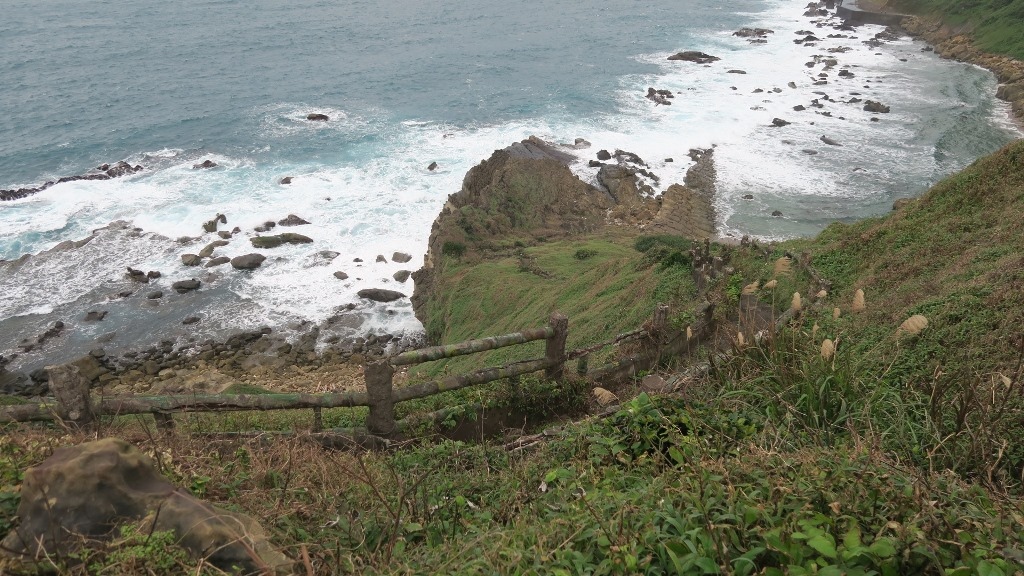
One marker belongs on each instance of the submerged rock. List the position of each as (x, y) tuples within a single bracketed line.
[(317, 117), (292, 220), (183, 286), (694, 56), (275, 241)]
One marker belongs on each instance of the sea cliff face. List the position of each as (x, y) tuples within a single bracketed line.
[(526, 194)]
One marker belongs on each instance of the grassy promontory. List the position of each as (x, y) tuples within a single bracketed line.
[(888, 450)]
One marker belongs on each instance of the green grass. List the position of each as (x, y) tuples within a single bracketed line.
[(996, 25)]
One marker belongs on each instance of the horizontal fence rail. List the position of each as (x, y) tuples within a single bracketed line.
[(73, 403)]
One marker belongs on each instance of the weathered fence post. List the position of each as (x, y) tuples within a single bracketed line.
[(555, 349), (318, 419), (381, 420), (660, 321), (71, 390), (164, 422)]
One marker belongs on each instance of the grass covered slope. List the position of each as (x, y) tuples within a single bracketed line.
[(997, 26)]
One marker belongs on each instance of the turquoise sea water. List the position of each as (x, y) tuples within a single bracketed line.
[(168, 85)]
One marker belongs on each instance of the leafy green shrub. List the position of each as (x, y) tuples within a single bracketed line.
[(453, 249), (583, 254)]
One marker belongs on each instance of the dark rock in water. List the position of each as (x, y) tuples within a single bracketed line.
[(85, 492), (580, 144), (799, 108), (190, 320), (669, 160), (872, 106), (317, 117), (341, 275), (623, 156), (694, 56), (736, 72), (183, 286), (248, 261), (218, 261), (776, 213), (400, 257), (381, 258), (659, 96), (205, 164), (432, 167), (845, 74), (402, 276), (95, 315), (292, 220), (275, 241), (153, 274), (603, 155), (779, 123), (207, 250), (595, 164), (155, 295), (748, 196), (357, 259), (191, 259), (328, 254), (224, 234), (125, 293), (137, 275), (380, 294), (286, 180), (809, 152), (830, 141), (874, 118), (211, 225), (753, 32)]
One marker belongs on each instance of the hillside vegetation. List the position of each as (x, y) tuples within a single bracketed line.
[(996, 25), (883, 451)]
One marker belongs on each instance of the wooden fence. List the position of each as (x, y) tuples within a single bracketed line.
[(73, 403)]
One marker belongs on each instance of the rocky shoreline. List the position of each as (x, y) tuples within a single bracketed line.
[(949, 42)]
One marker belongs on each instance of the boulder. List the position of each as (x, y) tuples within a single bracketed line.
[(183, 286), (218, 261), (779, 123), (400, 257), (286, 180), (753, 32), (211, 225), (776, 213), (190, 320), (799, 108), (205, 164), (191, 259), (878, 107), (402, 275), (604, 155), (88, 491), (248, 261), (317, 117), (381, 258), (156, 294), (830, 141), (137, 275), (207, 251), (736, 71), (432, 166), (95, 315), (292, 220), (380, 294), (275, 241), (341, 275), (224, 234), (694, 56)]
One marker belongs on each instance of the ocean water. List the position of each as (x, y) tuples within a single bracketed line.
[(169, 85)]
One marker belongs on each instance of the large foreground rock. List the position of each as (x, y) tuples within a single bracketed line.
[(275, 241), (90, 489)]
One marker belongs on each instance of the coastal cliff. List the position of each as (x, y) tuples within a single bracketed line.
[(525, 195)]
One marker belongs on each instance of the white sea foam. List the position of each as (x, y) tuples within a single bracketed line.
[(368, 191)]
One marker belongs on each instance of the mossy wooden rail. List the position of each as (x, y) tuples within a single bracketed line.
[(73, 403)]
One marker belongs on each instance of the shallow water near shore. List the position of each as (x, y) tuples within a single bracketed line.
[(406, 84)]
